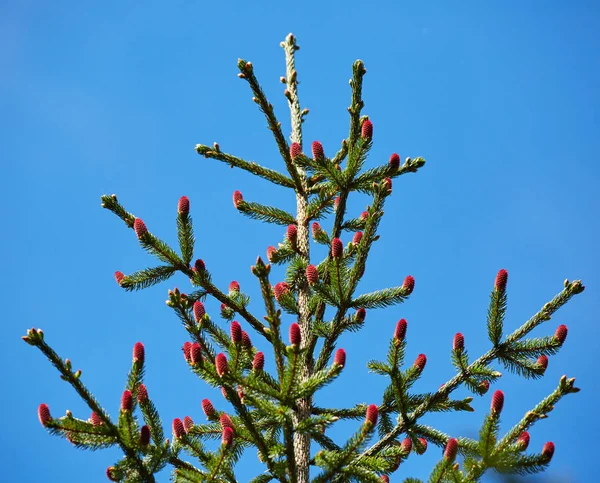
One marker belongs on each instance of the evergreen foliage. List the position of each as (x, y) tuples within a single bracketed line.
[(273, 408)]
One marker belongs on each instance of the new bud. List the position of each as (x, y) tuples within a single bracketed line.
[(312, 275), (501, 279), (221, 364), (451, 450), (237, 198), (523, 440), (199, 311), (317, 150), (337, 248), (400, 332), (409, 284), (145, 435), (126, 401), (208, 408), (387, 182), (295, 150), (484, 386), (371, 416), (236, 332), (95, 419), (497, 402), (548, 450), (394, 161), (44, 414), (183, 207), (458, 344), (119, 276), (420, 362), (295, 334), (271, 251), (234, 287), (340, 358), (138, 353), (178, 429), (561, 333), (366, 131), (139, 227), (259, 362), (364, 215)]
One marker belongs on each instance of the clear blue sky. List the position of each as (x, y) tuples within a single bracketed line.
[(110, 97)]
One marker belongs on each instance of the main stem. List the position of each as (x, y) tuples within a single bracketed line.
[(301, 441)]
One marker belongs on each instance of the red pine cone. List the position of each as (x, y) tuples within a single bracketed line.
[(458, 344), (406, 445), (501, 279), (234, 286), (357, 238), (119, 276), (246, 342), (225, 421), (199, 311), (316, 229), (497, 402), (295, 150), (224, 392), (126, 400), (409, 284), (279, 289), (543, 361), (187, 423), (312, 275), (336, 202), (236, 332), (139, 227), (138, 352), (387, 182), (44, 414), (271, 251), (366, 131), (292, 234), (95, 419), (195, 353), (484, 386), (548, 450), (187, 347), (420, 362), (199, 265), (372, 414), (360, 315), (523, 440), (317, 150), (561, 333), (227, 437), (237, 198), (385, 478), (451, 449), (340, 358), (423, 446), (221, 364), (295, 334), (145, 435), (364, 215), (111, 473), (178, 429), (394, 161), (183, 207), (259, 362), (400, 332), (337, 248), (208, 408), (142, 394)]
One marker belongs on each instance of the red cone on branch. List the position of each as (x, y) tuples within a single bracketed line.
[(44, 414), (178, 429), (366, 131), (188, 422), (484, 386), (420, 362), (548, 450), (336, 202), (422, 447), (280, 289), (199, 265), (400, 332), (561, 333), (385, 478), (394, 161), (295, 334), (142, 394), (406, 445), (227, 437), (364, 215), (221, 364), (138, 352), (357, 238), (246, 342), (208, 408), (451, 449), (501, 279), (111, 473), (387, 182), (237, 198), (371, 416), (458, 344), (95, 419), (236, 332), (183, 207), (543, 361), (337, 248), (259, 362), (523, 440), (187, 346), (409, 284), (119, 276), (340, 358), (271, 251), (126, 401), (195, 353), (225, 421), (295, 150), (145, 435), (312, 275), (198, 311), (139, 227), (292, 234), (234, 286), (360, 315), (316, 229), (497, 402), (317, 150)]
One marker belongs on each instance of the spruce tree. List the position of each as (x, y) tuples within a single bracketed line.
[(270, 406)]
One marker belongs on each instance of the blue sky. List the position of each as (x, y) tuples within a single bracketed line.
[(111, 97)]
